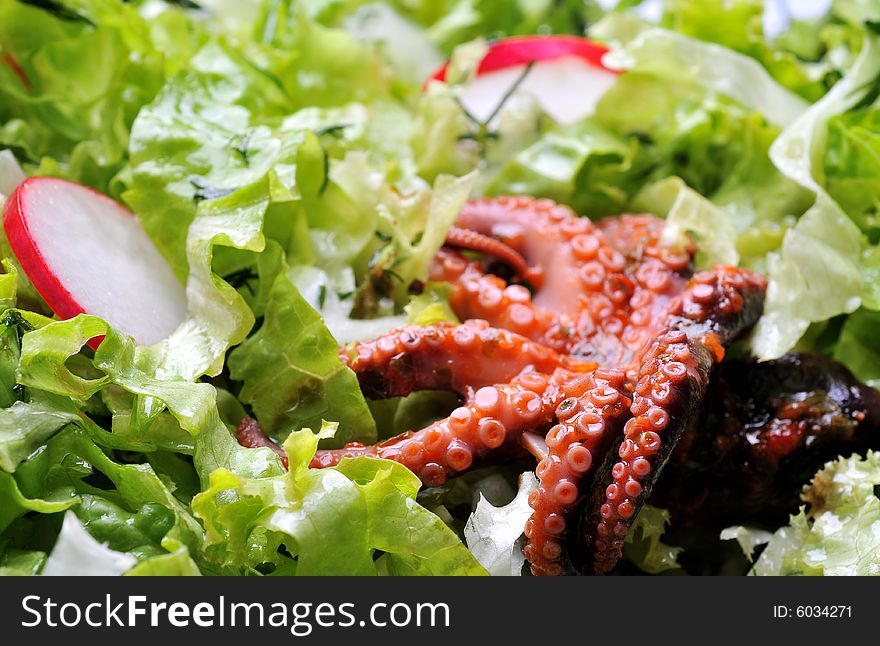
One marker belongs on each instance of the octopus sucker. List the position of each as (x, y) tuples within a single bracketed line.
[(592, 356), (673, 377)]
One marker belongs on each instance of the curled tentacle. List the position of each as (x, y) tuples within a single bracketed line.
[(489, 424), (473, 241), (673, 379), (477, 295), (763, 432), (604, 287), (445, 356)]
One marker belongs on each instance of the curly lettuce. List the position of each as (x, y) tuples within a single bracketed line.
[(838, 532)]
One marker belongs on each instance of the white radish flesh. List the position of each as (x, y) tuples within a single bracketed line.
[(86, 253), (567, 88)]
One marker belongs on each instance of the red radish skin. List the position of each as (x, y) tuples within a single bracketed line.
[(125, 281), (522, 50), (567, 80)]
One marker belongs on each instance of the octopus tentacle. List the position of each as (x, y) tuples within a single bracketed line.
[(489, 423), (593, 408), (472, 241), (477, 295), (446, 356), (605, 287), (673, 379), (527, 367)]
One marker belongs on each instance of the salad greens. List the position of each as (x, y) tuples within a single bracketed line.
[(286, 161), (838, 535)]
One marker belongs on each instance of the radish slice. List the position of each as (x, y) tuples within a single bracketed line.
[(85, 253), (567, 79)]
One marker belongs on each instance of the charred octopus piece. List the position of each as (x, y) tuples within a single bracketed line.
[(606, 363), (763, 432)]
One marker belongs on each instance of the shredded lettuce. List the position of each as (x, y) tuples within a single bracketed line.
[(838, 533), (494, 534), (68, 103), (644, 546)]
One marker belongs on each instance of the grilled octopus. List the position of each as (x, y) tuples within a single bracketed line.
[(594, 358)]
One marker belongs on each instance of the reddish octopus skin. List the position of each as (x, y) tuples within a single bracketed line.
[(593, 410), (673, 378), (609, 295), (490, 423), (601, 288), (473, 241), (446, 356), (250, 435)]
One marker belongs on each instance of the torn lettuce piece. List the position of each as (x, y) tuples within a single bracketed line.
[(689, 214), (817, 272), (320, 66), (644, 546), (858, 345), (203, 137), (332, 520), (26, 426), (748, 538), (291, 373), (68, 102), (431, 306), (585, 165), (17, 503), (838, 534), (78, 554), (793, 57), (493, 533), (405, 45), (679, 58), (177, 563), (852, 165)]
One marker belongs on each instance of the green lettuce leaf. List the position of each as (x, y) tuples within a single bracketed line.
[(837, 534), (178, 563), (816, 274), (644, 546), (858, 346), (292, 375), (585, 165), (852, 165), (83, 84), (331, 520), (678, 58), (201, 138), (738, 25), (688, 213)]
